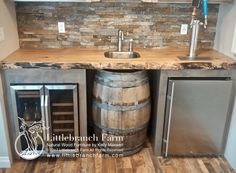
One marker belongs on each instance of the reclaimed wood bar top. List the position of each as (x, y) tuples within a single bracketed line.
[(86, 58)]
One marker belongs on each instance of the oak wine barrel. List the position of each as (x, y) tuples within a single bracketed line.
[(121, 110)]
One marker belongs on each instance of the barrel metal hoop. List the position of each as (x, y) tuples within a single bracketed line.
[(124, 151), (118, 75), (120, 83), (128, 131), (117, 108)]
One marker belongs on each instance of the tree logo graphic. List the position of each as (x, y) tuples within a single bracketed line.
[(30, 140)]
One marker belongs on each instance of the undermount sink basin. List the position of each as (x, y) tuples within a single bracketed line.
[(116, 54)]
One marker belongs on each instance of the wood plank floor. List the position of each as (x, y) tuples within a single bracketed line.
[(142, 162)]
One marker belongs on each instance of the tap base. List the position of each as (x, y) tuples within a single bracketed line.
[(196, 58)]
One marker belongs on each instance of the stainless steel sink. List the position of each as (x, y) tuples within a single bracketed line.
[(117, 54)]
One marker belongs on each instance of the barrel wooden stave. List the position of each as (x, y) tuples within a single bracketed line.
[(121, 96), (121, 120), (121, 108), (131, 143)]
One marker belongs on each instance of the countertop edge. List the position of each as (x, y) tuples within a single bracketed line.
[(165, 59)]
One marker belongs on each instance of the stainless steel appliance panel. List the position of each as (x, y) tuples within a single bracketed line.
[(196, 117)]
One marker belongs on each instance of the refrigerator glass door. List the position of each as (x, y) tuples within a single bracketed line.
[(196, 117), (62, 112), (27, 102)]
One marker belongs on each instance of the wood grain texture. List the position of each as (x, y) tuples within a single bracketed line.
[(56, 1), (74, 58), (141, 162), (187, 1)]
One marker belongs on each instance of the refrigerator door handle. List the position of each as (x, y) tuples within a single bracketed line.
[(42, 103), (47, 116), (169, 119)]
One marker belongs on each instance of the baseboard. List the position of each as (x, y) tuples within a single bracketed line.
[(5, 162)]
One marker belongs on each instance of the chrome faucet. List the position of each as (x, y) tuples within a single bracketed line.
[(120, 39)]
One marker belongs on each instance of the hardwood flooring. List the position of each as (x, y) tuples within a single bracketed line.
[(141, 162)]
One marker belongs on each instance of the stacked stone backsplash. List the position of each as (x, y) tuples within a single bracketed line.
[(96, 24)]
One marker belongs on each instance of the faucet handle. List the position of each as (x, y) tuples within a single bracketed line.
[(121, 34), (131, 45)]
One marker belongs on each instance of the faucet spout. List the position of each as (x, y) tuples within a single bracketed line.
[(120, 39)]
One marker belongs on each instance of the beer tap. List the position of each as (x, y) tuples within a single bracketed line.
[(195, 23), (196, 4)]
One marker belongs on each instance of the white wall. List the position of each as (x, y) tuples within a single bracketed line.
[(225, 28), (223, 43), (230, 152), (10, 44), (5, 151), (8, 22)]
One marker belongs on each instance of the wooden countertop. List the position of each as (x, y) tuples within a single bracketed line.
[(73, 58)]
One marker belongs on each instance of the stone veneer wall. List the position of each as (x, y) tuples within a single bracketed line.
[(96, 24)]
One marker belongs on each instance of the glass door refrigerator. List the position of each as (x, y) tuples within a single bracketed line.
[(50, 109)]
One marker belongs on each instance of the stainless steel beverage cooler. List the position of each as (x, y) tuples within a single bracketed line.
[(54, 106)]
